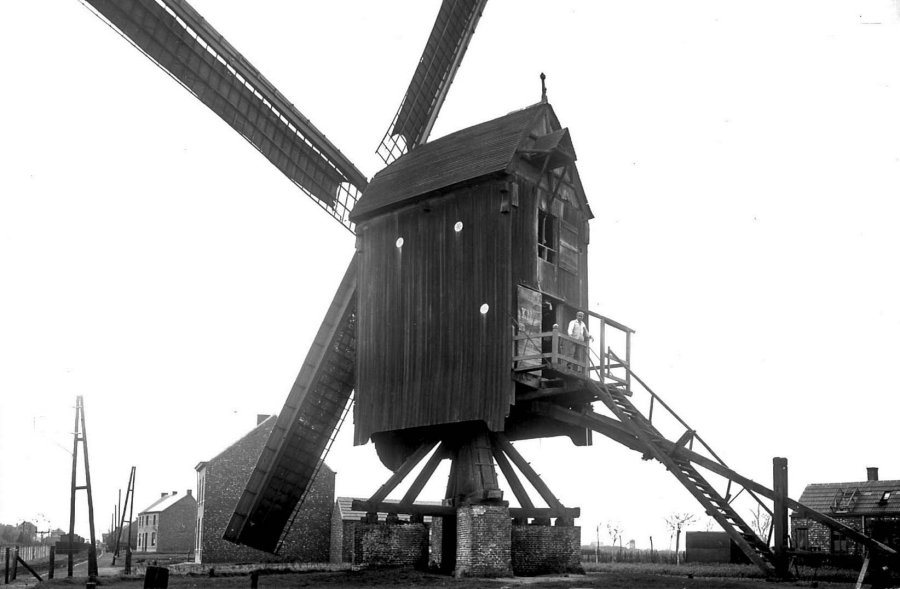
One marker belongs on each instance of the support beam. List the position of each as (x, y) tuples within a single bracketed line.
[(780, 515), (401, 508), (686, 437), (502, 442), (30, 570), (448, 511), (512, 478), (548, 392), (615, 430), (450, 492), (399, 475), (424, 476)]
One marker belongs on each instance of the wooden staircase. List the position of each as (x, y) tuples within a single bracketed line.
[(305, 429), (718, 507)]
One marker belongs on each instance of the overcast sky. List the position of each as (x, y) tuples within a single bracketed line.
[(742, 160)]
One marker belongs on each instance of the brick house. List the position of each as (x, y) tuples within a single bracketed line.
[(220, 482), (871, 506), (167, 525)]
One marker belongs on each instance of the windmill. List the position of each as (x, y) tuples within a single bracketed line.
[(440, 368)]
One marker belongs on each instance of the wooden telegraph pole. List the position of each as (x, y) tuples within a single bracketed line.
[(81, 436), (129, 504)]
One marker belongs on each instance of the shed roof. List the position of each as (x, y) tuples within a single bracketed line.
[(344, 505), (854, 498), (483, 149)]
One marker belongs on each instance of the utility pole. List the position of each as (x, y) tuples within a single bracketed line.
[(129, 500), (130, 520), (80, 435)]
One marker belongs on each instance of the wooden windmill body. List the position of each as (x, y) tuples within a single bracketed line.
[(448, 252), (449, 323)]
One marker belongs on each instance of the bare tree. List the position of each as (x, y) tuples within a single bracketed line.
[(675, 523), (761, 522), (615, 531)]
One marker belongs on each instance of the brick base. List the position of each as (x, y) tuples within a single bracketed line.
[(391, 545), (539, 549), (483, 541)]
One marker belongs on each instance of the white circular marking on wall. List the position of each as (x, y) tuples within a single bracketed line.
[(458, 226), (399, 242), (485, 308)]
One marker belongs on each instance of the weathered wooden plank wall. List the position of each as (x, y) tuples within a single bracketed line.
[(427, 355)]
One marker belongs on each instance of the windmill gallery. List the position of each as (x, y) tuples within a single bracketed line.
[(447, 335)]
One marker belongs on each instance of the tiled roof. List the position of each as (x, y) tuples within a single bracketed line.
[(465, 155), (344, 506), (163, 503), (855, 498)]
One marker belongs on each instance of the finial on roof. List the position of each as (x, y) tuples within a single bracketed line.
[(543, 88)]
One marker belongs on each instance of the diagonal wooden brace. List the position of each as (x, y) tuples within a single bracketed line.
[(399, 475)]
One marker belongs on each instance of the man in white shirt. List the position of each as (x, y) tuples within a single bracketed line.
[(578, 330)]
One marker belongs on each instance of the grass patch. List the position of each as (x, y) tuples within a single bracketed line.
[(695, 569)]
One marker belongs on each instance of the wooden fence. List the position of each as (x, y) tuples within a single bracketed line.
[(28, 553)]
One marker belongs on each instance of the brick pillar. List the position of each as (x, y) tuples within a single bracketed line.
[(483, 541)]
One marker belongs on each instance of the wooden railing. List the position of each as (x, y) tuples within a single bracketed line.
[(558, 351)]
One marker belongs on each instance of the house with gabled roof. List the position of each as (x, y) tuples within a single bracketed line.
[(220, 481), (871, 506), (166, 526)]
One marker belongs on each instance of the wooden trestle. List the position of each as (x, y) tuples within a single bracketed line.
[(473, 479)]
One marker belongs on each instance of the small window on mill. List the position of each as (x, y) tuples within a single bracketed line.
[(885, 497), (547, 237)]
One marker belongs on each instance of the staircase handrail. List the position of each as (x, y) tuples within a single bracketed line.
[(694, 433), (611, 322)]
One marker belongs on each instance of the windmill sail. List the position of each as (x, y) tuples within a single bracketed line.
[(180, 41), (305, 428), (449, 39)]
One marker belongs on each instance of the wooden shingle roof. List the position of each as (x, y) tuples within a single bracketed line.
[(855, 498), (483, 149)]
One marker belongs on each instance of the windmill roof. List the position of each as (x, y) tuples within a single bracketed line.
[(867, 499), (483, 149), (344, 505)]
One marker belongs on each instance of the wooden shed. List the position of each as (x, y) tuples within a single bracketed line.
[(461, 243)]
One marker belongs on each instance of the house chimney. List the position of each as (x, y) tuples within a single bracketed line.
[(190, 493), (174, 492), (161, 495), (872, 473), (260, 417)]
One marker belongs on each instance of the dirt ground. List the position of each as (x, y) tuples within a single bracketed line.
[(365, 579), (607, 577)]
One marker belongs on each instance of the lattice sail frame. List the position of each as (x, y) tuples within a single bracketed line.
[(175, 37), (453, 29)]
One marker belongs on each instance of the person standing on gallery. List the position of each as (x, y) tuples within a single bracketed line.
[(578, 330)]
